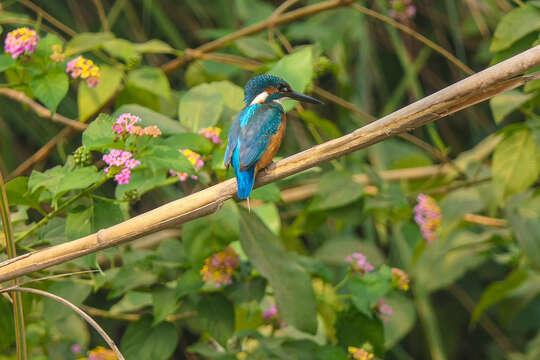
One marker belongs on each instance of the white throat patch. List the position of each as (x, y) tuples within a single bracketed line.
[(259, 99)]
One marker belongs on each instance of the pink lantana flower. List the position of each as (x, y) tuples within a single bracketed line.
[(21, 40)]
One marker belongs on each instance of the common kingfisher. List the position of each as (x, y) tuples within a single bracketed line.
[(256, 132)]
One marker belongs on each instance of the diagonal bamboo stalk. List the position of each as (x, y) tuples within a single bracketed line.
[(467, 92)]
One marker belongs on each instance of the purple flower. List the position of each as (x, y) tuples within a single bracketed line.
[(359, 263), (85, 69), (120, 162), (76, 348), (427, 215), (195, 160), (125, 123), (220, 267), (212, 133), (272, 311), (383, 310), (21, 40), (271, 315)]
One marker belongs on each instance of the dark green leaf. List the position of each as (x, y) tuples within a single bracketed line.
[(18, 193), (200, 107), (368, 289), (79, 178), (74, 292), (355, 329), (150, 79), (6, 62), (132, 301), (86, 41), (402, 320), (251, 289), (164, 303), (141, 341), (523, 211), (217, 315), (50, 88), (292, 285), (336, 189), (131, 277), (189, 282), (325, 125)]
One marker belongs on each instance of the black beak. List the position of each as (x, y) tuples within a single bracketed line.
[(300, 97)]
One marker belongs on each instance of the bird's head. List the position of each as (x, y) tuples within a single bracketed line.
[(267, 88)]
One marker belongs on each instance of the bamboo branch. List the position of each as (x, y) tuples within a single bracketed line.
[(467, 92)]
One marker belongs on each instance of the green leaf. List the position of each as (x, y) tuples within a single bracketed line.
[(150, 79), (233, 95), (269, 214), (86, 41), (142, 181), (195, 142), (336, 189), (329, 128), (99, 134), (296, 69), (78, 222), (164, 303), (189, 282), (257, 48), (148, 117), (122, 49), (292, 285), (6, 62), (216, 313), (402, 320), (523, 211), (131, 277), (200, 107), (82, 221), (132, 301), (142, 341), (269, 193), (79, 178), (18, 193), (51, 87), (206, 236), (355, 329), (90, 100), (515, 164), (164, 158), (368, 289), (74, 292), (515, 25), (48, 179), (251, 289), (334, 251), (154, 46), (44, 45), (502, 105), (497, 292), (331, 352)]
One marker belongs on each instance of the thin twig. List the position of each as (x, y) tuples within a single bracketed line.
[(73, 307), (416, 35), (485, 220), (101, 14), (279, 10), (48, 17), (134, 317)]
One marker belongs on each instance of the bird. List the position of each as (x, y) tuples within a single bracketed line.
[(257, 130)]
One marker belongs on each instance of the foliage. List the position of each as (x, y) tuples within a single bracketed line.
[(364, 267)]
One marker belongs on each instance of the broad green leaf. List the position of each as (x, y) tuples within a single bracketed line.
[(51, 87), (269, 192), (354, 329), (269, 214), (292, 285), (132, 301), (502, 105), (7, 326), (90, 100), (122, 49), (331, 352), (216, 313), (402, 320), (18, 193), (200, 107), (142, 341), (515, 164), (334, 251), (296, 69), (44, 45), (99, 135), (325, 125), (141, 181), (82, 221), (163, 302), (233, 95), (78, 222), (74, 292), (257, 48), (336, 189), (6, 62), (515, 25), (79, 178), (195, 142), (131, 277), (366, 290), (206, 236), (188, 282), (149, 117), (523, 211), (48, 179), (251, 289), (154, 46), (86, 41), (150, 79), (164, 158), (497, 292)]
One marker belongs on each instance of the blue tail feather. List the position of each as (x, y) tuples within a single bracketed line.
[(244, 179)]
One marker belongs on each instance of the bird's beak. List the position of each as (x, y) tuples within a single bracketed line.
[(300, 97)]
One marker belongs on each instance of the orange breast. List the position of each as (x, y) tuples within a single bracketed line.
[(273, 146)]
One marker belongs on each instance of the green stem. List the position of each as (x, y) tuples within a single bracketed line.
[(431, 328), (52, 214), (18, 313), (342, 282)]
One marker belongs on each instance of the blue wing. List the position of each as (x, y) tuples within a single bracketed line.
[(234, 131), (255, 133)]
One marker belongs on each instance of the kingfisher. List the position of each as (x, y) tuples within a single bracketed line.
[(257, 130)]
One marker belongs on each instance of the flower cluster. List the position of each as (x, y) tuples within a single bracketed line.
[(21, 40), (359, 354), (151, 130), (195, 160), (125, 124), (359, 263), (383, 310), (220, 267), (212, 133), (402, 10), (100, 353), (122, 162), (400, 280), (84, 68), (58, 55), (427, 215), (271, 315)]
